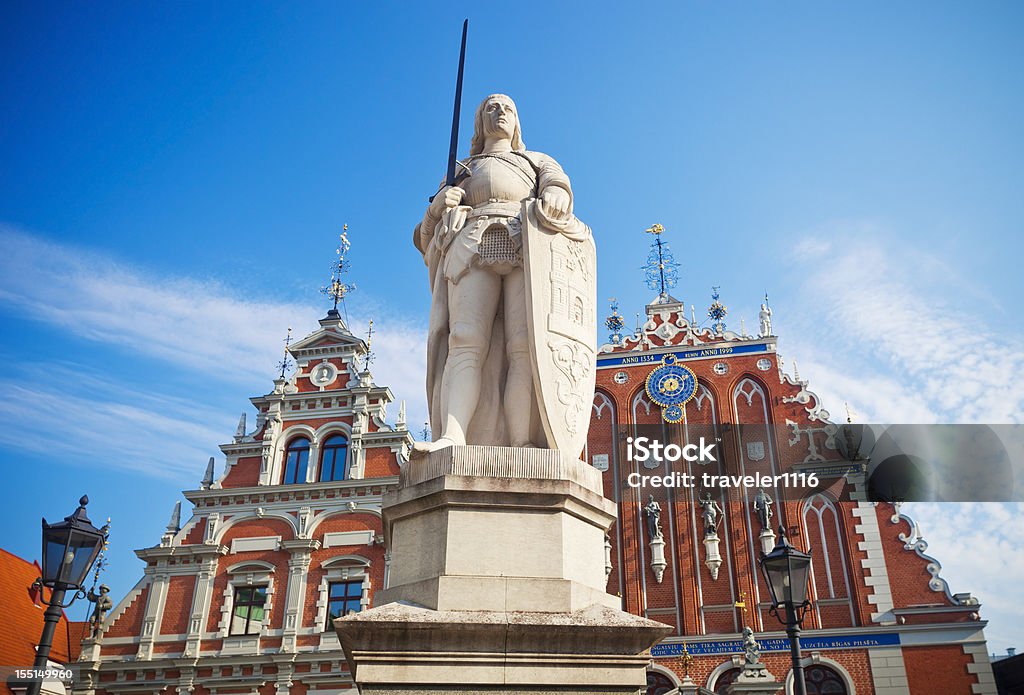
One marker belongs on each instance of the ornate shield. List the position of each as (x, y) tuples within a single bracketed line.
[(561, 310)]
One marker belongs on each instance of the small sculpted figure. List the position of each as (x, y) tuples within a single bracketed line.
[(481, 385), (763, 508), (751, 647), (709, 512), (653, 513), (103, 603), (764, 317)]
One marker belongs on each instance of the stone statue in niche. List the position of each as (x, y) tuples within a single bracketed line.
[(710, 511), (510, 351), (763, 508), (653, 513)]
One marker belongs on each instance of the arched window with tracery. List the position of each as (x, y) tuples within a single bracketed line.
[(659, 683), (333, 460), (296, 461), (829, 578), (821, 680), (723, 682)]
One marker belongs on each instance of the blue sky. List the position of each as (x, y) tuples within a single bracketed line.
[(174, 177)]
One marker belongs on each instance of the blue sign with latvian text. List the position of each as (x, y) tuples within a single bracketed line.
[(778, 644)]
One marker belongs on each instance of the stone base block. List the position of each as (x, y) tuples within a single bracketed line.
[(404, 649), (754, 680)]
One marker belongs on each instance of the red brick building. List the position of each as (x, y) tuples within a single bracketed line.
[(871, 582), (238, 598)]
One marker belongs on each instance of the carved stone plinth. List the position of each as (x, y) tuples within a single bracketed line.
[(755, 679), (712, 556), (497, 583), (767, 539)]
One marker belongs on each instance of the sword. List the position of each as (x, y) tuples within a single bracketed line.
[(454, 146)]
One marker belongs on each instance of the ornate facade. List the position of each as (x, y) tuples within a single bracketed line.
[(238, 598)]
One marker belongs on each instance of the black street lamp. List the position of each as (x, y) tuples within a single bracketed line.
[(70, 548), (786, 570)]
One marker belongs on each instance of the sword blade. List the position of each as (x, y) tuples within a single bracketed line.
[(454, 146)]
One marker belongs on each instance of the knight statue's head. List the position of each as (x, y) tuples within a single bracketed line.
[(496, 116)]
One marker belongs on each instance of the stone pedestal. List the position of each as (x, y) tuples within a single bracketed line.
[(497, 583), (712, 556), (767, 539), (755, 679)]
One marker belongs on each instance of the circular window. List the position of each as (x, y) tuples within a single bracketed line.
[(620, 377), (720, 368), (764, 364)]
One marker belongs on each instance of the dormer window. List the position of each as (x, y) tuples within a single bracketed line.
[(296, 461), (334, 458)]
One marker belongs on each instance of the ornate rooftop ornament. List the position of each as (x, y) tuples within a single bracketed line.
[(369, 351), (337, 290), (661, 272), (286, 362), (764, 318), (717, 311), (208, 476), (614, 322)]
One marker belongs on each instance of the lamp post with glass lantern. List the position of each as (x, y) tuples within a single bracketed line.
[(70, 548), (785, 571)]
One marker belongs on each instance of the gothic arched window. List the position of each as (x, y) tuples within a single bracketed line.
[(334, 458), (296, 461), (821, 680)]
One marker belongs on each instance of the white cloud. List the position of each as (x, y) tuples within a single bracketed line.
[(980, 553), (879, 326), (200, 328)]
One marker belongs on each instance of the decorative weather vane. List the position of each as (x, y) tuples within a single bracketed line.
[(717, 311), (614, 322), (661, 272), (286, 362), (369, 351), (338, 289)]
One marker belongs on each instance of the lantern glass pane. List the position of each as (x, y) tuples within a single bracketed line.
[(85, 547), (53, 557), (799, 569)]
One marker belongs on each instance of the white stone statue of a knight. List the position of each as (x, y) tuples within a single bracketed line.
[(511, 342)]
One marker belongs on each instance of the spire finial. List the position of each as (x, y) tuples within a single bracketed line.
[(661, 272), (240, 430), (614, 322), (174, 525), (717, 311), (286, 361), (400, 423), (337, 290), (208, 476), (425, 433), (369, 349), (796, 371)]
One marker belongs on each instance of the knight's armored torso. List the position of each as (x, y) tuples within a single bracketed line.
[(502, 178)]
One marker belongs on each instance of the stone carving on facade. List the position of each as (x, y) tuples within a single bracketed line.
[(710, 512), (764, 318), (509, 265), (763, 508), (102, 603), (751, 648), (653, 513)]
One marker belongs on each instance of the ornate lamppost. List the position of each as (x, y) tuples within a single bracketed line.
[(70, 548), (785, 571)]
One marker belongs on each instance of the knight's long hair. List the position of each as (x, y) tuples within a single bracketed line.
[(476, 145)]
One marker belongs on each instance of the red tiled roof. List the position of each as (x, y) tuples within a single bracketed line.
[(23, 618)]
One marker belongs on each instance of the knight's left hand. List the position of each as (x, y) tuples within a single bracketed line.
[(555, 201)]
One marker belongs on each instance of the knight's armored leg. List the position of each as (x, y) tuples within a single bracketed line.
[(519, 381), (472, 304)]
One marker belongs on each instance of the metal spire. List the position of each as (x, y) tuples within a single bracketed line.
[(717, 311), (661, 270), (426, 432), (338, 289), (286, 361), (369, 351), (614, 322)]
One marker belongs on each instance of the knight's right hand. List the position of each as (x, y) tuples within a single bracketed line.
[(447, 197)]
